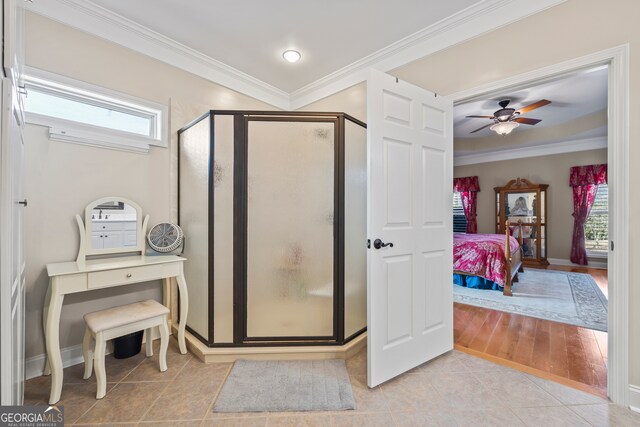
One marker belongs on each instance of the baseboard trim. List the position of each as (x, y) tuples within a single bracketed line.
[(592, 264), (634, 398), (34, 366), (71, 356)]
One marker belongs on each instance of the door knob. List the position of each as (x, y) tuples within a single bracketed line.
[(23, 203), (380, 244)]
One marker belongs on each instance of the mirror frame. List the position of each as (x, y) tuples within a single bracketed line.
[(86, 230)]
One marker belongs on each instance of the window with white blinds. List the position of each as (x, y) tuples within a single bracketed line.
[(596, 230), (459, 220)]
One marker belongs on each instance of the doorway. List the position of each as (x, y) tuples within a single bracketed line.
[(618, 263)]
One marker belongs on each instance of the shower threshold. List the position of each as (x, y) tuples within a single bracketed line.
[(307, 352)]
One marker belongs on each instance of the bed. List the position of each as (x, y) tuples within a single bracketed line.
[(487, 261)]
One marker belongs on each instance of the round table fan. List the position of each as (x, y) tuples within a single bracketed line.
[(165, 237)]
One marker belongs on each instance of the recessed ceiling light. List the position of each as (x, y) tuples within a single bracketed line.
[(291, 55)]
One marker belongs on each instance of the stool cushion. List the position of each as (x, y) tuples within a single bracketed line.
[(123, 315)]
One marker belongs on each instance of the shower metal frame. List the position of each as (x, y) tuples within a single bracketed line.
[(241, 119)]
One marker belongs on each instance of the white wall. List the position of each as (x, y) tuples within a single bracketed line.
[(62, 178), (352, 101)]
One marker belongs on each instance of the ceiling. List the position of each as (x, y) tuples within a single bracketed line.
[(250, 35), (239, 44), (572, 97)]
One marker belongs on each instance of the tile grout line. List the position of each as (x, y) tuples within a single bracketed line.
[(216, 394), (122, 380), (164, 389), (111, 389), (137, 366), (536, 372), (539, 387), (518, 417), (331, 416), (155, 400), (83, 414), (150, 422), (582, 417)]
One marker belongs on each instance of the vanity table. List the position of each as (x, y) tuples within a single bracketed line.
[(89, 274)]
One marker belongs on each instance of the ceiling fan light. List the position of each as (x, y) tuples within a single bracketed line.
[(504, 128)]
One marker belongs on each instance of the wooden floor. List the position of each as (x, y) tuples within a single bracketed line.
[(568, 354)]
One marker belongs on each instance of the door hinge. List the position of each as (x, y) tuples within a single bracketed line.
[(611, 246)]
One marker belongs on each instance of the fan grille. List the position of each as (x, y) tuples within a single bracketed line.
[(165, 237)]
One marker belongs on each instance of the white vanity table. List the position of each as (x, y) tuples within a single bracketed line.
[(88, 274)]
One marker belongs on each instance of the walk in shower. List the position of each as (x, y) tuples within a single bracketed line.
[(273, 206)]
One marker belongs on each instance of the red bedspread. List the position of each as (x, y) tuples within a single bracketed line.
[(482, 255)]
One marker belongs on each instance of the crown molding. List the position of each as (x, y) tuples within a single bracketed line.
[(469, 23), (548, 149), (93, 19), (482, 17)]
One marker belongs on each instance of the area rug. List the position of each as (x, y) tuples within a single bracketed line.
[(572, 298), (286, 385)]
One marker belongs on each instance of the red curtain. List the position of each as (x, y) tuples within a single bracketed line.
[(468, 188), (585, 181)]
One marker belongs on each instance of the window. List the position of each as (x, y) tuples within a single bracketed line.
[(81, 113), (459, 220), (596, 230)]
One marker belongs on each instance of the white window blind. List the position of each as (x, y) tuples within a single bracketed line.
[(596, 230), (459, 220)]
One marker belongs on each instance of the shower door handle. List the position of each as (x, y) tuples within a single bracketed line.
[(380, 244)]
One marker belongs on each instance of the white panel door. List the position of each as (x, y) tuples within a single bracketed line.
[(409, 285), (12, 255)]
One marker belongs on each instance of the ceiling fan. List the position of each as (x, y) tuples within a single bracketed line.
[(507, 119)]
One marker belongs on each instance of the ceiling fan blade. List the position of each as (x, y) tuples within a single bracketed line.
[(533, 106), (480, 117), (474, 131), (527, 121)]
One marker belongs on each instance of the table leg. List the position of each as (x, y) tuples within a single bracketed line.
[(166, 300), (184, 309), (45, 314), (52, 336)]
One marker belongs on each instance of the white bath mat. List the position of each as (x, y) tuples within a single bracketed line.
[(291, 385)]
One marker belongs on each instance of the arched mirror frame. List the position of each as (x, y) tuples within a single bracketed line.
[(86, 230)]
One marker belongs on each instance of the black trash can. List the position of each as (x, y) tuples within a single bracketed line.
[(127, 345)]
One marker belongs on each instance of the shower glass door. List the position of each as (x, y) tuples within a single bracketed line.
[(290, 239)]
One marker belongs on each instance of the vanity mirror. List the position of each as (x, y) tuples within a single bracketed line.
[(111, 225)]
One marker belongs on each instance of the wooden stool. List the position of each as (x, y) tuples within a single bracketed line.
[(118, 321)]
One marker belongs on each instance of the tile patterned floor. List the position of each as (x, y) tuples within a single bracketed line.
[(453, 390)]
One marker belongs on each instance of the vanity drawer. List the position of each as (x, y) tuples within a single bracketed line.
[(107, 226), (129, 225), (122, 276)]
